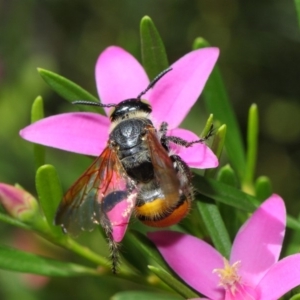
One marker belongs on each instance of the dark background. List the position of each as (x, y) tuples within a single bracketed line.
[(259, 42)]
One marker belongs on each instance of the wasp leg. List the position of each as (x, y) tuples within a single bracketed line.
[(163, 129), (113, 246), (179, 141)]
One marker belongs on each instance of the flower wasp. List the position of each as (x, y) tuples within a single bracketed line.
[(135, 172)]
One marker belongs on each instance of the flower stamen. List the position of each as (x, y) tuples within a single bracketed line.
[(229, 278)]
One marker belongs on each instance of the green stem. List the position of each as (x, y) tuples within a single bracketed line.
[(124, 271)]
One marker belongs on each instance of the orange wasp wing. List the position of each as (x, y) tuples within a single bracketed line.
[(89, 201), (164, 172)]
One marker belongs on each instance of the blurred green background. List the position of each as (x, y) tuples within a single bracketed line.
[(260, 63)]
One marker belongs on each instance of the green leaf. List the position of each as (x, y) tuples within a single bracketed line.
[(226, 194), (263, 188), (208, 126), (297, 4), (215, 225), (16, 260), (174, 283), (209, 210), (230, 216), (37, 113), (154, 55), (68, 89), (194, 224), (218, 142), (37, 109), (217, 147), (252, 136), (141, 250), (137, 295), (49, 191), (292, 223), (296, 297), (217, 102), (134, 250), (226, 175)]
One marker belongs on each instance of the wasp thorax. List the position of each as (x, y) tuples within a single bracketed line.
[(128, 133)]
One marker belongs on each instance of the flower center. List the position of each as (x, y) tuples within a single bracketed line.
[(229, 278), (232, 282)]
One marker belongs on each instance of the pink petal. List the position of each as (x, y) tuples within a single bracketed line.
[(119, 217), (281, 278), (198, 155), (173, 96), (119, 76), (192, 259), (258, 243), (241, 292), (84, 133)]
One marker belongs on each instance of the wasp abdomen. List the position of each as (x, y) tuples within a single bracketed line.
[(155, 209)]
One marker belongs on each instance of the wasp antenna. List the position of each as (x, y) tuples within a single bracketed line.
[(153, 82), (92, 103)]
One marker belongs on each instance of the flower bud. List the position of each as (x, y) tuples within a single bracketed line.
[(17, 202)]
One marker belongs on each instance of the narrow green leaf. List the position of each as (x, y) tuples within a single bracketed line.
[(137, 295), (296, 297), (263, 188), (207, 126), (217, 147), (217, 102), (134, 251), (37, 113), (49, 191), (230, 215), (154, 55), (37, 109), (209, 210), (292, 223), (215, 225), (68, 89), (226, 175), (194, 224), (226, 194), (143, 250), (16, 260), (174, 283), (297, 4), (219, 139), (252, 136)]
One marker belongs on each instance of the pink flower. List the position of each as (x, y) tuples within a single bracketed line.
[(119, 76), (253, 270), (18, 203)]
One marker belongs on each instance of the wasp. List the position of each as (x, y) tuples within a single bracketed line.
[(136, 166)]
